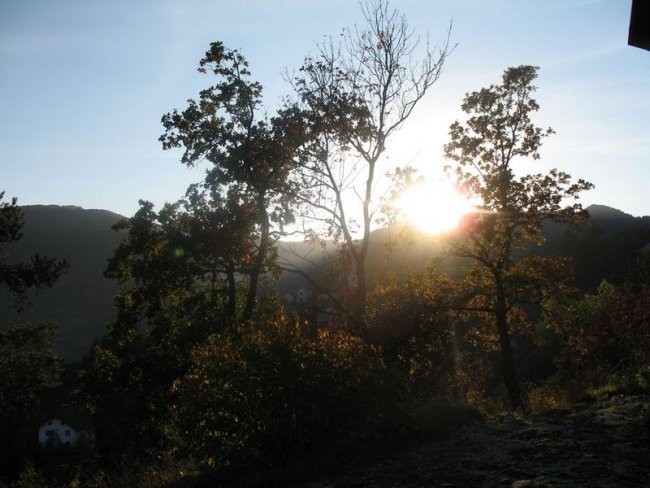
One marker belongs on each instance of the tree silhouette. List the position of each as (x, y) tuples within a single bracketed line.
[(484, 150), (183, 260), (27, 363), (34, 273), (354, 97), (251, 159), (192, 270)]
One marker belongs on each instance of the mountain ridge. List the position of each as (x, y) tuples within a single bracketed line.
[(81, 302)]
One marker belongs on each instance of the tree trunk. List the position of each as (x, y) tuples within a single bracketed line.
[(460, 387), (231, 308), (359, 305), (508, 362), (258, 264)]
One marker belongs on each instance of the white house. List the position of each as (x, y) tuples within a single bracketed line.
[(57, 432)]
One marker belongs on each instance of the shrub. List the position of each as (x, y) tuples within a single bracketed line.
[(607, 339), (275, 393)]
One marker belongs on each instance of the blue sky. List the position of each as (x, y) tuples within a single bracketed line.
[(85, 82)]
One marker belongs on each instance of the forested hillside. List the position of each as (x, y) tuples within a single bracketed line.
[(81, 303)]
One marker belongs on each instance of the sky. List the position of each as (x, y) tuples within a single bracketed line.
[(84, 83)]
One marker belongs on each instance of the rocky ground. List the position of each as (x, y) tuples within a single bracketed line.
[(596, 444)]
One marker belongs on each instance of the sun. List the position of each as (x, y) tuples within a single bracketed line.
[(433, 208)]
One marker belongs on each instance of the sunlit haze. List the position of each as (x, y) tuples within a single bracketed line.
[(434, 207)]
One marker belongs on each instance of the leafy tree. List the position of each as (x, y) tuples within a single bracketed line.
[(177, 270), (28, 366), (484, 151), (251, 159), (604, 334), (412, 321), (38, 271), (193, 269), (183, 260), (27, 363), (354, 97)]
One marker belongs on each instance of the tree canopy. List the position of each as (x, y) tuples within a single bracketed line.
[(484, 150), (354, 96), (251, 155), (34, 273), (28, 364)]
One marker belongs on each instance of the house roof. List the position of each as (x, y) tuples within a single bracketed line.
[(72, 416)]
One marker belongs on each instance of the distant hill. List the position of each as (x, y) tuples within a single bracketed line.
[(612, 220), (81, 302), (608, 249)]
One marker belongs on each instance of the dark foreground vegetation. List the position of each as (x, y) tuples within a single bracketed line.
[(208, 378), (597, 442)]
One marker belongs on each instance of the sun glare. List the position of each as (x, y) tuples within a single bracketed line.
[(433, 208)]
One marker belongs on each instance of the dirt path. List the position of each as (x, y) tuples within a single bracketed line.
[(599, 444)]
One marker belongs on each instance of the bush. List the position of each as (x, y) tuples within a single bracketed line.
[(630, 382), (607, 339), (411, 322), (548, 397), (276, 394)]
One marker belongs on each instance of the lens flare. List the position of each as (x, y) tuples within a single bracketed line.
[(433, 208)]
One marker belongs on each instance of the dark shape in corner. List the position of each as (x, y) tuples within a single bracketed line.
[(639, 34)]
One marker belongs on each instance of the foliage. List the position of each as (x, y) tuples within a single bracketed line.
[(177, 278), (413, 323), (428, 331), (354, 96), (276, 393), (182, 261), (550, 396), (38, 271), (193, 268), (27, 363), (606, 337), (30, 478), (27, 366), (629, 383), (498, 133), (250, 159)]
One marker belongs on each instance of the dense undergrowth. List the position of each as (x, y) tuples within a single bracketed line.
[(281, 403)]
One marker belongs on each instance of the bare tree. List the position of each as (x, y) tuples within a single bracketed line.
[(355, 94)]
